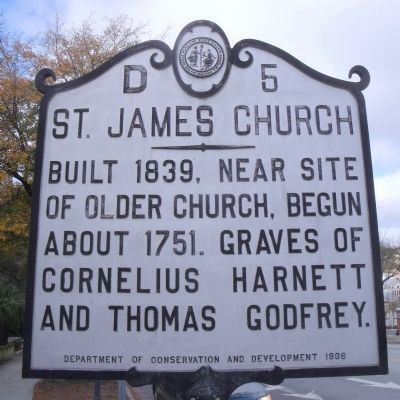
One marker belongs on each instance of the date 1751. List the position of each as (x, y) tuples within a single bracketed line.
[(180, 242)]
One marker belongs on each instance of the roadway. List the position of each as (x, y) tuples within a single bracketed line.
[(12, 386), (371, 387)]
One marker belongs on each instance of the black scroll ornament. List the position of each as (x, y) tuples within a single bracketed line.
[(203, 384)]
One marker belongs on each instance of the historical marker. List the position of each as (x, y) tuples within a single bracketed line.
[(204, 206)]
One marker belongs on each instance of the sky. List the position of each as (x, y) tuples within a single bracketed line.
[(329, 36)]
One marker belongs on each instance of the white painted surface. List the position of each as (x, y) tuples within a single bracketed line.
[(300, 347)]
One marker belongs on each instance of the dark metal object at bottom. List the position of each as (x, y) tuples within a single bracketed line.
[(96, 392), (204, 384)]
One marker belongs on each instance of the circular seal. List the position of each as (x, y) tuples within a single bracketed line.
[(201, 57)]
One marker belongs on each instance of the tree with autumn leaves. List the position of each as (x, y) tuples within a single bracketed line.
[(70, 53)]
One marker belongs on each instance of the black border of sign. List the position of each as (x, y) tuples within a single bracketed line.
[(244, 46)]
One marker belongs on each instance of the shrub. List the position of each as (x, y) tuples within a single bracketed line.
[(11, 309)]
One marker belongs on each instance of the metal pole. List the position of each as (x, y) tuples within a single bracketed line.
[(121, 390), (96, 394)]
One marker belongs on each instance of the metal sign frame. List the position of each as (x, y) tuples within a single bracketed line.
[(234, 59)]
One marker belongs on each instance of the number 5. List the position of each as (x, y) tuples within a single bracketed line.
[(273, 86)]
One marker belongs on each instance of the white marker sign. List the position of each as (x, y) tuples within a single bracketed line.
[(205, 205)]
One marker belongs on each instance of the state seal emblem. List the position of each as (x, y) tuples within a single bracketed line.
[(201, 57)]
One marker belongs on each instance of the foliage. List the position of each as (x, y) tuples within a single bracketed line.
[(71, 53), (18, 112), (11, 305), (390, 259), (75, 52), (14, 224)]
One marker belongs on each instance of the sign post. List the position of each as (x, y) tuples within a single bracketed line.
[(205, 206)]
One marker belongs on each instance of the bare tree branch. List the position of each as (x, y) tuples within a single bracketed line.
[(390, 260)]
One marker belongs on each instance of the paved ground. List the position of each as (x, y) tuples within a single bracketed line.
[(12, 386), (393, 339)]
